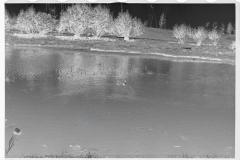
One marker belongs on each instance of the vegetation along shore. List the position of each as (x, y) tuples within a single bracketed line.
[(94, 29)]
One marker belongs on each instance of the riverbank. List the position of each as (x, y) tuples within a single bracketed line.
[(89, 155), (154, 41)]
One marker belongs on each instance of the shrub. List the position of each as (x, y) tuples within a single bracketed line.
[(230, 28), (100, 20), (75, 19), (232, 46), (7, 21), (111, 29), (44, 23), (32, 22), (180, 32), (214, 36), (137, 27), (125, 26), (198, 35)]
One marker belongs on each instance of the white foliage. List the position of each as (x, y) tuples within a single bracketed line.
[(230, 28), (162, 21), (214, 36), (7, 21), (100, 20), (180, 32), (137, 28), (232, 46), (33, 22), (75, 20), (198, 35), (125, 26)]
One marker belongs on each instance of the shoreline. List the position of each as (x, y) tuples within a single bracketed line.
[(163, 49), (162, 56)]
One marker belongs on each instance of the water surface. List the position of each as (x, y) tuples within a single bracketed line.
[(64, 98)]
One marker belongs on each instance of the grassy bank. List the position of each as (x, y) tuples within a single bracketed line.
[(152, 42), (89, 155)]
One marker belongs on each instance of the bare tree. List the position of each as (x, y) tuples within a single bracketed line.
[(151, 15)]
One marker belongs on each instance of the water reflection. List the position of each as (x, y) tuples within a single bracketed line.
[(61, 98)]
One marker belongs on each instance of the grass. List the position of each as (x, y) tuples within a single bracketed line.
[(82, 152), (63, 155), (92, 155), (152, 42), (89, 155), (185, 155), (76, 152)]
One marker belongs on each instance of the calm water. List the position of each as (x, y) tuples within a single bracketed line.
[(64, 98)]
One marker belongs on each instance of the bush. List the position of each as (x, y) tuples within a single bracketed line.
[(111, 29), (7, 21), (100, 20), (230, 28), (32, 22), (232, 46), (214, 36), (180, 32), (137, 28), (198, 35), (125, 26), (44, 23), (75, 19)]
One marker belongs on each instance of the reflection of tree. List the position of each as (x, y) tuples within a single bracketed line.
[(27, 64), (97, 74), (33, 70), (154, 67)]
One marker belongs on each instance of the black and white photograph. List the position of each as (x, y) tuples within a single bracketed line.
[(120, 80)]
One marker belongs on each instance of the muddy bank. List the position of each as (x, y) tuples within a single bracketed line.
[(167, 47)]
